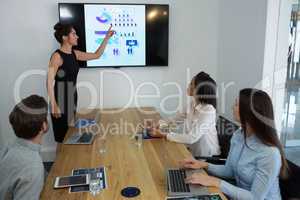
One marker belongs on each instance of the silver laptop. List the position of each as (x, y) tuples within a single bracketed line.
[(81, 138), (177, 186)]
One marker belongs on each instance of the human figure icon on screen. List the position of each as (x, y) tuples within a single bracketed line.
[(116, 52), (129, 51)]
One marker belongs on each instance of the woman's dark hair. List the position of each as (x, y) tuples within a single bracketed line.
[(28, 116), (61, 30), (256, 110), (205, 89)]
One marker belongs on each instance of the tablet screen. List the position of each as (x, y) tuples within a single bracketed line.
[(72, 180)]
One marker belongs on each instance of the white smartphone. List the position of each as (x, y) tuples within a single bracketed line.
[(67, 181)]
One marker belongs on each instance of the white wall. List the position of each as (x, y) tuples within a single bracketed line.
[(241, 48), (276, 48), (253, 46), (27, 42), (227, 38)]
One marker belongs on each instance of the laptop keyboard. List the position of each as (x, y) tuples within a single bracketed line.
[(85, 137), (177, 182)]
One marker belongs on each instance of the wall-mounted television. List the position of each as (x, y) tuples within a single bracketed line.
[(141, 32)]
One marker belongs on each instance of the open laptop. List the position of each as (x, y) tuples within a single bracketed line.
[(177, 186), (85, 122), (85, 137), (81, 138)]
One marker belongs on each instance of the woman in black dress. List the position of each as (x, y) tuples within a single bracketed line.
[(63, 71)]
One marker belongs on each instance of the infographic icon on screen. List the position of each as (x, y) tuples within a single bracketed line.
[(127, 46)]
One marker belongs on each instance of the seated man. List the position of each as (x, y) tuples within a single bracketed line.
[(22, 170)]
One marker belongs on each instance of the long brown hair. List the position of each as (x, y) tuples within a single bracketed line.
[(205, 89), (256, 110)]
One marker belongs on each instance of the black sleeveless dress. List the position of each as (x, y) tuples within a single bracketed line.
[(65, 93)]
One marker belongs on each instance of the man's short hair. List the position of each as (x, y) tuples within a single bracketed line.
[(28, 116)]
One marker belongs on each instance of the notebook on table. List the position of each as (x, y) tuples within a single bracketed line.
[(95, 173)]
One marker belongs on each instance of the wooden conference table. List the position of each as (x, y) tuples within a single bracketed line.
[(126, 163)]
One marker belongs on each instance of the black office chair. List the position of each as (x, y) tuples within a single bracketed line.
[(225, 129), (290, 187)]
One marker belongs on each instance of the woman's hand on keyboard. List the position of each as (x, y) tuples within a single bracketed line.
[(191, 163), (203, 179)]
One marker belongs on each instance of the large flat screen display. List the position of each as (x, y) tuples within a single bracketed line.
[(141, 32)]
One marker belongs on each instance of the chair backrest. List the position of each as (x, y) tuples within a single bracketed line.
[(225, 129), (290, 187)]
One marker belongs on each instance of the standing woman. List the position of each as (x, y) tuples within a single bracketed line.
[(62, 77)]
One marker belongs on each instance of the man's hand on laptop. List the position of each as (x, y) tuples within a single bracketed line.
[(191, 163)]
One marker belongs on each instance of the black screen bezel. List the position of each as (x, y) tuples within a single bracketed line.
[(82, 46)]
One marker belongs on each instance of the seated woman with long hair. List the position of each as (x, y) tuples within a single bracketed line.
[(199, 131), (256, 159)]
